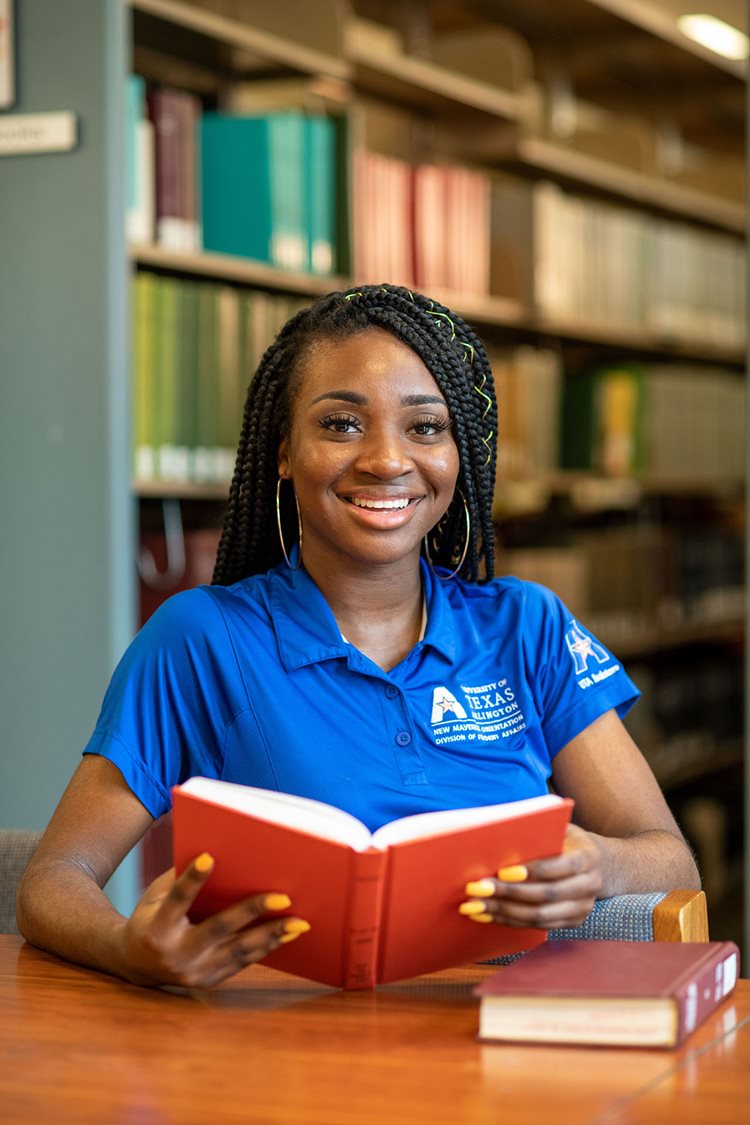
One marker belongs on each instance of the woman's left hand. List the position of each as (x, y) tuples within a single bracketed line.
[(547, 894)]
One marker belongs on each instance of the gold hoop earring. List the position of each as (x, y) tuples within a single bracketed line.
[(278, 524), (453, 573)]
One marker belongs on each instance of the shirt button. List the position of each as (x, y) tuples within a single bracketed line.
[(391, 692), (403, 738)]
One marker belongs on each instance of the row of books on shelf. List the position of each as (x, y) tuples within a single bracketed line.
[(260, 186), (290, 188), (195, 347), (612, 267), (628, 581), (690, 715), (197, 344)]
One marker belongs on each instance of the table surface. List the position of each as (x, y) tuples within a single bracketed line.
[(78, 1046)]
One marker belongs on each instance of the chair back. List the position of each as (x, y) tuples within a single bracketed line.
[(16, 849)]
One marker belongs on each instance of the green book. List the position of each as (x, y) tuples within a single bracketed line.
[(286, 166), (578, 422), (169, 463), (188, 405), (320, 193), (236, 185), (144, 369), (207, 423)]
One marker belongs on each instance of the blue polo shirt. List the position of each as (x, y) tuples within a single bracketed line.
[(254, 683)]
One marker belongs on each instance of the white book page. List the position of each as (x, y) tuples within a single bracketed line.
[(438, 823), (330, 823), (303, 813)]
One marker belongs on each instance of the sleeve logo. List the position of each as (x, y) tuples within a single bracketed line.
[(582, 648)]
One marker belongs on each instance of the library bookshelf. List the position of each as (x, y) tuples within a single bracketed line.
[(387, 79)]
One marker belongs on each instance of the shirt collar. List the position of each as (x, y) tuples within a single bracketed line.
[(307, 632)]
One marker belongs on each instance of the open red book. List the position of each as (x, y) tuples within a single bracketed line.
[(383, 906)]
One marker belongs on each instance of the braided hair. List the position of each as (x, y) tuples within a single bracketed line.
[(457, 361)]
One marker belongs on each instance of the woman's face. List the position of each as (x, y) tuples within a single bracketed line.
[(370, 451)]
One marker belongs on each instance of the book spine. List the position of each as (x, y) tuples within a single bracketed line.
[(360, 946), (699, 997)]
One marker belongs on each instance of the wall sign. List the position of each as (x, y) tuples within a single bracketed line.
[(22, 133)]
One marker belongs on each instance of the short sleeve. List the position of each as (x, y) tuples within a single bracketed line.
[(169, 702), (575, 678)]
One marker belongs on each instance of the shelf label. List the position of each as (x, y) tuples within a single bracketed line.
[(22, 133)]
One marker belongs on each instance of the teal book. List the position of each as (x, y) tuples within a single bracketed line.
[(236, 185), (286, 165), (320, 193), (135, 93)]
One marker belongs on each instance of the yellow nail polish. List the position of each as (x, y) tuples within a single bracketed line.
[(296, 926), (276, 902), (516, 873), (287, 938), (480, 917), (475, 907), (480, 888), (203, 863)]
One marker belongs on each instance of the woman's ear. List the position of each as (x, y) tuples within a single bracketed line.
[(283, 458)]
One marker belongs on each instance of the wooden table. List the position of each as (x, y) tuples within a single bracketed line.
[(77, 1046)]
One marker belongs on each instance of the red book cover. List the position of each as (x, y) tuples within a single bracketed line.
[(630, 993), (379, 912)]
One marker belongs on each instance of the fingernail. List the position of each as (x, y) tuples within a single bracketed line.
[(287, 938), (516, 873), (296, 926), (475, 907), (480, 917), (480, 888), (203, 863), (276, 902)]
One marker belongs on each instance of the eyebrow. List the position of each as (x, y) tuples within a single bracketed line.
[(361, 400)]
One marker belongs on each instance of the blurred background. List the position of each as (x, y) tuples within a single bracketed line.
[(177, 177)]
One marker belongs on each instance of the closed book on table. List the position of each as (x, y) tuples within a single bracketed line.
[(608, 993), (382, 906)]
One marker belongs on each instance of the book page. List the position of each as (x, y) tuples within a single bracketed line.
[(452, 820), (302, 813)]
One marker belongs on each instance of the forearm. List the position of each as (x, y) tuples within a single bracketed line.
[(62, 909), (649, 861)]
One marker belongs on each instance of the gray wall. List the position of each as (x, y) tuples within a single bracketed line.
[(66, 518)]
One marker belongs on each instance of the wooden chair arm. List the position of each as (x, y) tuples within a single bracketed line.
[(681, 916)]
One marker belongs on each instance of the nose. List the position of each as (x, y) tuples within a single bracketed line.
[(384, 455)]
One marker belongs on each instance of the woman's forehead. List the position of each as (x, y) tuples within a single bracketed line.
[(373, 358)]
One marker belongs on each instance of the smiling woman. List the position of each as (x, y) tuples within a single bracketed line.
[(355, 648)]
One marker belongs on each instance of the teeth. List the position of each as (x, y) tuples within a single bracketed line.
[(379, 505)]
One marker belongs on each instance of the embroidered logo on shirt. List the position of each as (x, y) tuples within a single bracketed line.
[(488, 713), (445, 706)]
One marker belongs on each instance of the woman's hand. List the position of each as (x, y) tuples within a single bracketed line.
[(159, 945), (548, 894)]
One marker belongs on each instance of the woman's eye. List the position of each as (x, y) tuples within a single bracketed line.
[(340, 423), (429, 427)]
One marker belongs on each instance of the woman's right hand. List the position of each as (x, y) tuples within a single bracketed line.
[(159, 945)]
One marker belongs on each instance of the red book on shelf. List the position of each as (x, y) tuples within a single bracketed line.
[(608, 993), (382, 906)]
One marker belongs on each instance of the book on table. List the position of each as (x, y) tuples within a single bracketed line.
[(608, 993), (383, 906)]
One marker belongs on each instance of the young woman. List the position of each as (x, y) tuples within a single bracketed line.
[(354, 648)]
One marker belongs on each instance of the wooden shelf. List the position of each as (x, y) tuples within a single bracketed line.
[(590, 492), (227, 267), (243, 37), (659, 639), (179, 490), (404, 78), (478, 310), (649, 18), (531, 154)]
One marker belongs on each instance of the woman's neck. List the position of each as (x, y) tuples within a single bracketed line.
[(379, 610)]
